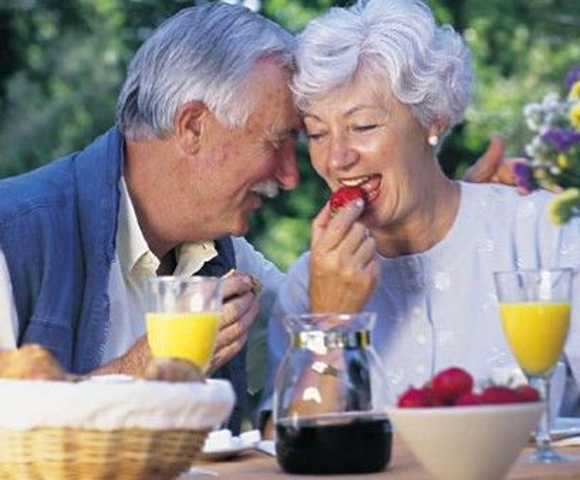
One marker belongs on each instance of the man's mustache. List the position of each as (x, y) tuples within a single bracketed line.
[(267, 188)]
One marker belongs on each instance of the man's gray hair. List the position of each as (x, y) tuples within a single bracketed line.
[(425, 66), (201, 54)]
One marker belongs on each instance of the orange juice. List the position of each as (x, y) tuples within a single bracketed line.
[(536, 332), (191, 336)]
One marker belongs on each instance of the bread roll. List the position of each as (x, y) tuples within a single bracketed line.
[(31, 362), (172, 370), (256, 284)]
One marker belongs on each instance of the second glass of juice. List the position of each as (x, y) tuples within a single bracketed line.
[(183, 316), (534, 307)]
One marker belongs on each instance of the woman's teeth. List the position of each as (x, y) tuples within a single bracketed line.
[(356, 182)]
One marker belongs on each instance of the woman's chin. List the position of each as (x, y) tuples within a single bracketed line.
[(370, 219)]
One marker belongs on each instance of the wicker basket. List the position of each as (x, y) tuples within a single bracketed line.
[(66, 453)]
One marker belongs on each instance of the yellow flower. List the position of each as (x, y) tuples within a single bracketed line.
[(574, 93), (574, 114), (563, 206), (540, 174), (563, 161)]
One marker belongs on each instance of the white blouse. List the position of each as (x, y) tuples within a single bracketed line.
[(445, 296)]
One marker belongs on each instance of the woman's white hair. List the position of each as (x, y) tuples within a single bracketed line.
[(425, 66), (202, 54)]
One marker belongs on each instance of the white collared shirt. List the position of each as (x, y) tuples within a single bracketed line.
[(133, 262)]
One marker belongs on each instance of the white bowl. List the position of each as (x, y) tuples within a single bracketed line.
[(467, 443)]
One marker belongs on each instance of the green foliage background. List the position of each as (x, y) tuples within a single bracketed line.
[(62, 63)]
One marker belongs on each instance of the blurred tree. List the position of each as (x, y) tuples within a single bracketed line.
[(522, 49), (61, 91)]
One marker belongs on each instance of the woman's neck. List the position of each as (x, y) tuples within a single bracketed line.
[(427, 224)]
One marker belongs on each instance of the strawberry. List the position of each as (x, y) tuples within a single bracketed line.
[(345, 195), (415, 398), (450, 384), (497, 394), (527, 393), (468, 399)]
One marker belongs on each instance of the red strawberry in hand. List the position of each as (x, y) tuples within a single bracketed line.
[(450, 384), (415, 398), (344, 195)]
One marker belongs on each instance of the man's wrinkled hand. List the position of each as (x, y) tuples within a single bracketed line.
[(492, 167), (239, 311), (133, 362)]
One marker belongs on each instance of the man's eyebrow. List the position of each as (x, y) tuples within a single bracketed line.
[(288, 132)]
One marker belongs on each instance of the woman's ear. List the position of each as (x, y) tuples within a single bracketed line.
[(438, 128), (189, 124), (435, 132)]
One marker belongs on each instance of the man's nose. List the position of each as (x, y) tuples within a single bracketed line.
[(287, 173)]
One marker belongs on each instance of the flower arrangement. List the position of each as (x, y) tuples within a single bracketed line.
[(554, 150)]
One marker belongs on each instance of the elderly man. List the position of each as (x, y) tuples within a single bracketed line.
[(205, 128)]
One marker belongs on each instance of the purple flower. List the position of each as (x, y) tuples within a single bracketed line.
[(524, 178), (572, 77), (560, 138)]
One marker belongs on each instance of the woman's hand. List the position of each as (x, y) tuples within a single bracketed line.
[(344, 266)]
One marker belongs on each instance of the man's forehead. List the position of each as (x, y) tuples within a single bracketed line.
[(280, 118)]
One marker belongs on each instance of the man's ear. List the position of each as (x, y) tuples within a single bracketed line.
[(189, 124)]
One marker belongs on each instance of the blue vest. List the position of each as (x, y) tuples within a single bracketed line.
[(57, 230)]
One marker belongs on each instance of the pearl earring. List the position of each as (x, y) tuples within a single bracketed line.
[(433, 140)]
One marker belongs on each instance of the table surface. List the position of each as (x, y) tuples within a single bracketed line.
[(255, 465)]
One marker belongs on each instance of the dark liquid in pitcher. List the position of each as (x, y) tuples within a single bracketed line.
[(339, 444)]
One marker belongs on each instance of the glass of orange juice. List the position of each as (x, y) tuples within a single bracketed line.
[(535, 313), (183, 316)]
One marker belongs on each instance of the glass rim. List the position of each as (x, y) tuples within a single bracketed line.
[(533, 270), (344, 315)]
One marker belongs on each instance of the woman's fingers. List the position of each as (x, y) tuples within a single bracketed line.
[(328, 236), (366, 251)]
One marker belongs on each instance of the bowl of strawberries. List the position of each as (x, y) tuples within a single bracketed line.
[(459, 432)]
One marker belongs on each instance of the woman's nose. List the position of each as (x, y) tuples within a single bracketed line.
[(341, 155)]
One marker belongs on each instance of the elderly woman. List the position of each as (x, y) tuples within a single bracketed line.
[(379, 86)]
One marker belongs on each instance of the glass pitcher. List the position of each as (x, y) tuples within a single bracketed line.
[(330, 397)]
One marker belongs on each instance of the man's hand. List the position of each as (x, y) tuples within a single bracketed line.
[(132, 363), (344, 268), (239, 312), (493, 168)]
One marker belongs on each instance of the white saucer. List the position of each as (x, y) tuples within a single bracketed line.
[(225, 453), (221, 444)]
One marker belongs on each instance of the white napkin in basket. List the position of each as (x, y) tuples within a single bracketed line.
[(114, 403)]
